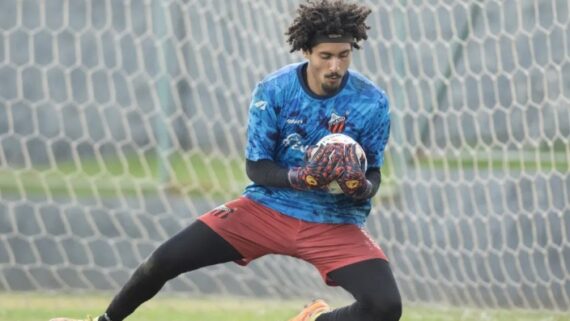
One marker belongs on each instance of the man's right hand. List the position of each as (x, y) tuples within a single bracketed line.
[(321, 168)]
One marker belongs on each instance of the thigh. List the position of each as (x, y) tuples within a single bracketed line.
[(252, 229), (331, 246), (194, 247), (371, 279)]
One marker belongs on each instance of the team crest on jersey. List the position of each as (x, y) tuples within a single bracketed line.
[(336, 123)]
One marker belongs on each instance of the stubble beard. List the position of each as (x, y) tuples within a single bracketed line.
[(329, 89)]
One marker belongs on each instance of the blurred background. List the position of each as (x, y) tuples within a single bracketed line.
[(122, 121)]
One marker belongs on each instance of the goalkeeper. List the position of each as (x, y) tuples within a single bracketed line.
[(287, 210)]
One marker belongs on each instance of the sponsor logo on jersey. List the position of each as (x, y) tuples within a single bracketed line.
[(295, 121), (293, 141), (336, 123)]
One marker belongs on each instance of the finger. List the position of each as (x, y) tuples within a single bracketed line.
[(353, 154), (334, 155), (347, 149), (347, 159), (338, 170), (319, 153), (309, 152)]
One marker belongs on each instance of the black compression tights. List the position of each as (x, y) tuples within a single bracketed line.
[(194, 247), (370, 282), (374, 288)]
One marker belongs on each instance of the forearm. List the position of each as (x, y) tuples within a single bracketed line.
[(374, 176), (267, 173)]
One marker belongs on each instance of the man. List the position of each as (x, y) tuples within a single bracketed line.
[(291, 110)]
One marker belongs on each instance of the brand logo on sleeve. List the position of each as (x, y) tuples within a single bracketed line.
[(261, 104)]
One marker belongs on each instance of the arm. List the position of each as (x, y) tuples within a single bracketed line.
[(316, 173), (374, 176), (267, 173), (373, 141)]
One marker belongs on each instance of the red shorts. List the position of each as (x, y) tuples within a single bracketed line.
[(255, 230)]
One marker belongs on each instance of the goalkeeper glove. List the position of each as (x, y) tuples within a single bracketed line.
[(353, 180), (321, 168)]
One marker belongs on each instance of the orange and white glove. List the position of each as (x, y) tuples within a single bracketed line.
[(352, 179), (320, 169)]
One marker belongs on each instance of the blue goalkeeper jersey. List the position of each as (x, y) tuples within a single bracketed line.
[(285, 118)]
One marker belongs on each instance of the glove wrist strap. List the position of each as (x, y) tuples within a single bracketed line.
[(293, 177), (367, 191)]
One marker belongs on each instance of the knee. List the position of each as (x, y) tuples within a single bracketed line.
[(150, 266), (386, 308), (158, 264), (392, 310)]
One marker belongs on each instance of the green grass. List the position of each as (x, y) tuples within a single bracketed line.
[(34, 307), (196, 174), (189, 174)]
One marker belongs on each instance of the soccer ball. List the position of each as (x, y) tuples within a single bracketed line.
[(333, 187)]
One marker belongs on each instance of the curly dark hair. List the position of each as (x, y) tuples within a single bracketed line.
[(326, 16)]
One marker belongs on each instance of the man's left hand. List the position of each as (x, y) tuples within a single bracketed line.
[(353, 180)]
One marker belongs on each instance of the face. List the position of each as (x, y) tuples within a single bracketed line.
[(328, 63)]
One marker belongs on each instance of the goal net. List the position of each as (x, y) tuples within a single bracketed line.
[(122, 121)]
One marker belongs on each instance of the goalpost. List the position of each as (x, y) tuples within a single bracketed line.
[(122, 121)]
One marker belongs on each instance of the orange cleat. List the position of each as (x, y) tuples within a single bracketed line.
[(312, 311)]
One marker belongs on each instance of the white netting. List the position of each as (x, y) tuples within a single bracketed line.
[(121, 121)]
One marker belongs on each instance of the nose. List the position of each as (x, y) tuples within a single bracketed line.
[(335, 64)]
